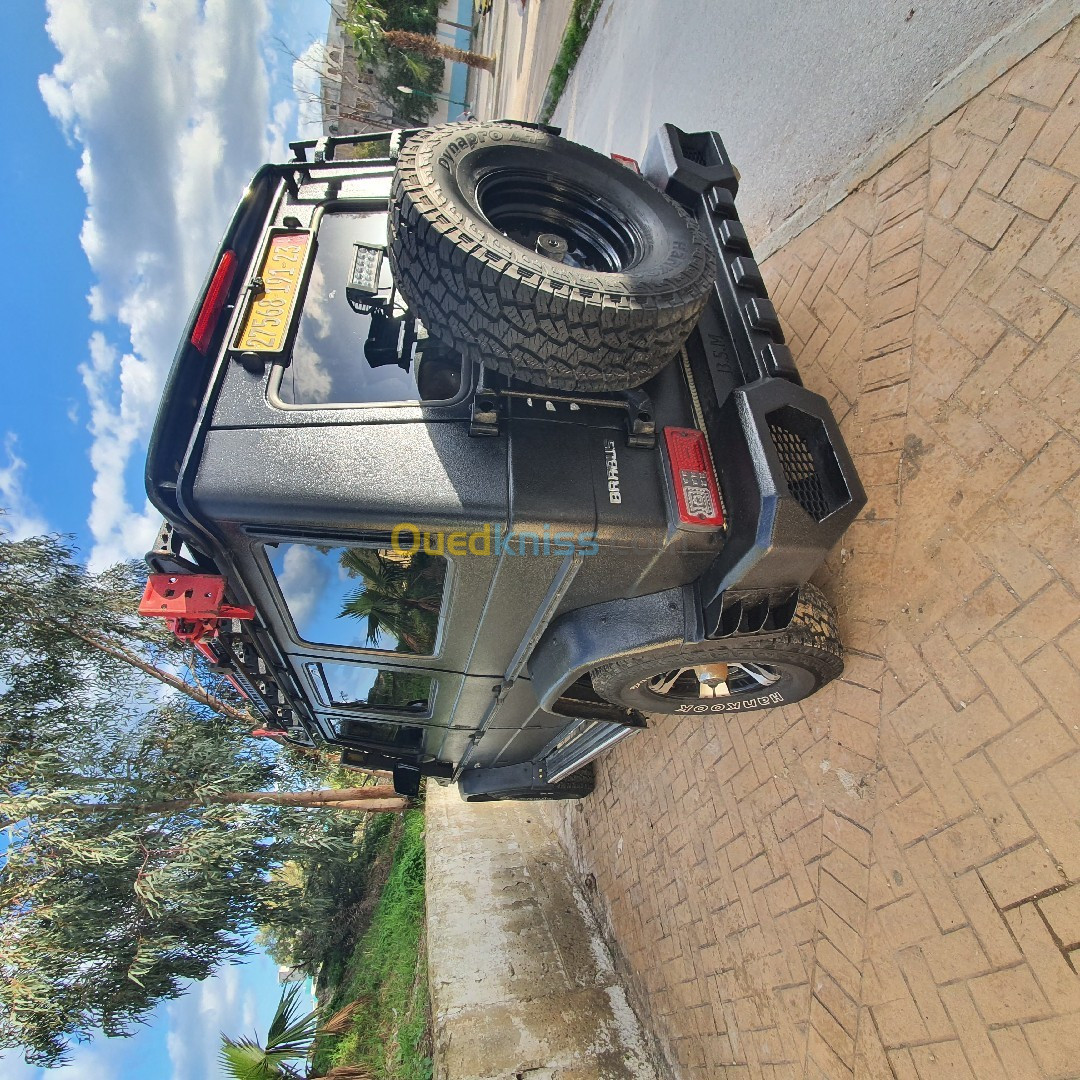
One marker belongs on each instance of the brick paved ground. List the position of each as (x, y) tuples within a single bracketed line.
[(879, 882)]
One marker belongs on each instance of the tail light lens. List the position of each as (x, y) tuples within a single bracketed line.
[(629, 162), (212, 305), (692, 478)]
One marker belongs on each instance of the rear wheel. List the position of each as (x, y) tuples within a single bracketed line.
[(733, 675), (544, 259)]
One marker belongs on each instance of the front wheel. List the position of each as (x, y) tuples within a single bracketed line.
[(734, 675)]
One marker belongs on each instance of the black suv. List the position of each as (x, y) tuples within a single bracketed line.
[(478, 452)]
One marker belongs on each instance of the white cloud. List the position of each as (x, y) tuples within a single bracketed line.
[(12, 1067), (91, 1065), (170, 104), (221, 1003), (282, 124), (22, 518), (303, 577), (115, 427)]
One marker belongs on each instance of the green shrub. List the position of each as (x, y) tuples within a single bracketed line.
[(582, 16), (312, 916), (387, 974)]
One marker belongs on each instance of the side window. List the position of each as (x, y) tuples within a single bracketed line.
[(361, 597), (358, 356), (359, 685), (381, 736)]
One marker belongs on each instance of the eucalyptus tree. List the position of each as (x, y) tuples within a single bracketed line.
[(142, 821)]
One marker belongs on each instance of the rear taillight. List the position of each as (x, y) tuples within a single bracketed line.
[(210, 312), (629, 162), (692, 477)]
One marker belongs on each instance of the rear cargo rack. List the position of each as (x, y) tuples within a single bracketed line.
[(486, 410)]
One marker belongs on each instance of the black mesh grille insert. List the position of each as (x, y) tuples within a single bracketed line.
[(700, 147), (810, 467), (799, 472)]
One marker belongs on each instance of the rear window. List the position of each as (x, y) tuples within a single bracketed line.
[(341, 356), (361, 597)]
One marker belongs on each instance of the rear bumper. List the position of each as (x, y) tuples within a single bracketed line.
[(788, 481)]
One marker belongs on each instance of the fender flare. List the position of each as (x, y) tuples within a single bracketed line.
[(580, 640)]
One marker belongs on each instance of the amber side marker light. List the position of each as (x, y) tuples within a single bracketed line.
[(212, 305), (692, 478)]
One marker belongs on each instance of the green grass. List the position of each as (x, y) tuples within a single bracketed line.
[(582, 17), (387, 973)]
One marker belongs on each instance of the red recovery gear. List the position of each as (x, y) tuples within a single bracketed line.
[(193, 605)]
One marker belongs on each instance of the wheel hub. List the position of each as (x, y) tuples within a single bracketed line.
[(552, 246), (559, 220), (713, 680)]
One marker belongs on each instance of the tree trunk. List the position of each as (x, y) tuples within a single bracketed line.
[(118, 652), (427, 45), (368, 799), (373, 806)]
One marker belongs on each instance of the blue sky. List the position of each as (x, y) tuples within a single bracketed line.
[(131, 128)]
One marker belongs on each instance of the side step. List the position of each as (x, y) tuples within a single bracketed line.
[(584, 741)]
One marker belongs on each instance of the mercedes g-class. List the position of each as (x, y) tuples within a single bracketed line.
[(476, 453)]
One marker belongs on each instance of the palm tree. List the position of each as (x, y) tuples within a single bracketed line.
[(399, 598), (289, 1038), (430, 46), (402, 54), (366, 23)]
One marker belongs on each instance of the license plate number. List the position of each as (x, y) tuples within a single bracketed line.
[(271, 304)]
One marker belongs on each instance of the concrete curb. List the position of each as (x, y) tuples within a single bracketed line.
[(991, 60), (521, 981)]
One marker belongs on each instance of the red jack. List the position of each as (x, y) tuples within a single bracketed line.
[(192, 604)]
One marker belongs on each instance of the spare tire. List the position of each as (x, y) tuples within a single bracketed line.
[(542, 258)]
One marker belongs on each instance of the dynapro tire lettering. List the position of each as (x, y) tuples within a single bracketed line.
[(733, 706), (614, 492)]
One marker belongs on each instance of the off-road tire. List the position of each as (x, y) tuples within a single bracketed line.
[(501, 304), (807, 655), (576, 786)]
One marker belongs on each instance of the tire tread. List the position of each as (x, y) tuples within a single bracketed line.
[(811, 636), (496, 312)]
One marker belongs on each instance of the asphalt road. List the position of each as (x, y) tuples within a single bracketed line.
[(796, 90)]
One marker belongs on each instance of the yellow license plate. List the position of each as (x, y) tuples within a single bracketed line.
[(270, 308)]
